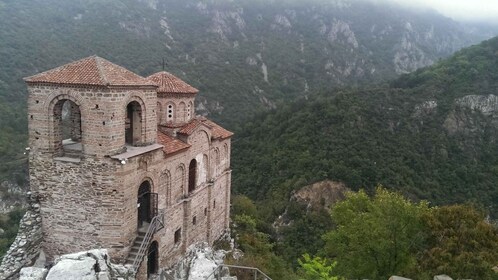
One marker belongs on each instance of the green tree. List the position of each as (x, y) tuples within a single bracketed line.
[(317, 268), (461, 243), (258, 250), (376, 237)]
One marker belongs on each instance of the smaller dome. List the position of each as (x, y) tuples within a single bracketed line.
[(168, 83)]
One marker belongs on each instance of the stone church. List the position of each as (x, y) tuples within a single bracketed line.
[(122, 162)]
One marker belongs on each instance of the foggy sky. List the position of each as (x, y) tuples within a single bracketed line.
[(461, 10)]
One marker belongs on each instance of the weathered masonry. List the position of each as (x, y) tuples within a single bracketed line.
[(122, 162)]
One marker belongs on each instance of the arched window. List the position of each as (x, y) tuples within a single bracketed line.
[(181, 112), (159, 113), (226, 156), (166, 187), (205, 169), (192, 168), (215, 162), (170, 112), (67, 128), (133, 123), (178, 192)]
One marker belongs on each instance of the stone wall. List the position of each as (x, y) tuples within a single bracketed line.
[(26, 246)]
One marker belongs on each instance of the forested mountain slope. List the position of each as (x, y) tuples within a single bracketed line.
[(431, 134), (245, 56)]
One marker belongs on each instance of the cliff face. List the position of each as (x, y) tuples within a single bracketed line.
[(244, 56), (237, 52), (432, 134)]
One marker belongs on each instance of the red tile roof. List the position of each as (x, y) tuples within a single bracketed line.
[(190, 127), (217, 132), (168, 83), (92, 70), (171, 144)]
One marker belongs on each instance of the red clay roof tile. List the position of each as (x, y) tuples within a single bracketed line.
[(217, 132), (168, 83), (190, 127), (92, 70), (171, 144)]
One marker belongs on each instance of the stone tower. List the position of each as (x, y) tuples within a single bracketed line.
[(113, 153)]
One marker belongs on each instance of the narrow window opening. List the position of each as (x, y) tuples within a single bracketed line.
[(178, 235), (133, 123), (170, 113), (194, 220), (214, 204), (205, 211), (192, 175)]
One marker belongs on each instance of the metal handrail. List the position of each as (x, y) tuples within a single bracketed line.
[(156, 224), (256, 270)]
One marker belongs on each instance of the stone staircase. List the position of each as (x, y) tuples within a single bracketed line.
[(142, 242), (136, 245)]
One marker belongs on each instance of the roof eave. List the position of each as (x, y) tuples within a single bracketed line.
[(145, 86)]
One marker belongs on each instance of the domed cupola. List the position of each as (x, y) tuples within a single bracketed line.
[(175, 99)]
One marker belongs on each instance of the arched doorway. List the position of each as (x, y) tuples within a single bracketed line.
[(133, 123), (144, 205), (152, 259), (192, 167)]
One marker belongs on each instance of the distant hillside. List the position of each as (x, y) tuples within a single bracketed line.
[(245, 56), (432, 134)]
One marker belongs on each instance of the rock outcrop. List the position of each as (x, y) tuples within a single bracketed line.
[(33, 273), (321, 194), (89, 265), (200, 261), (26, 246)]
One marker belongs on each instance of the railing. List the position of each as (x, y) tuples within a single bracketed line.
[(156, 224), (216, 274)]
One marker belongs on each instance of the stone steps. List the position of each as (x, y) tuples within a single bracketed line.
[(135, 247)]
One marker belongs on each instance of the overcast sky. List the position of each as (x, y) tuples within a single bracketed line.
[(473, 10)]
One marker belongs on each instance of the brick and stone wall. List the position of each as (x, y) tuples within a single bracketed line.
[(103, 111), (175, 109), (88, 199), (27, 245)]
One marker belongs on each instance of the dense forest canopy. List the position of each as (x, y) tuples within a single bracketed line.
[(425, 134), (244, 56)]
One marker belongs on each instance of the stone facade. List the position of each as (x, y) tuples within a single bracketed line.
[(103, 149)]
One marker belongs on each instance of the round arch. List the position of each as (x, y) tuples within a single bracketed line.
[(181, 115), (146, 207), (165, 181), (65, 125)]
